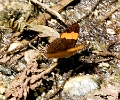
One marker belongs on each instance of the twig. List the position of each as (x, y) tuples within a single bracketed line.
[(107, 53), (111, 12), (60, 87), (98, 2), (19, 48), (53, 12), (37, 77), (58, 8), (5, 48), (15, 58)]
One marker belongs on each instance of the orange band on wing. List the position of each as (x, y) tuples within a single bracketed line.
[(71, 35), (66, 53)]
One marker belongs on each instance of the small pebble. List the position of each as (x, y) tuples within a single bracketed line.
[(79, 86)]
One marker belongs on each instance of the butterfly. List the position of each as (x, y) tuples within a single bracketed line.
[(65, 45)]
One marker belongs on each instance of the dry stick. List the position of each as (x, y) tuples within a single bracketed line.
[(60, 87), (98, 2), (14, 38), (53, 12), (111, 12), (34, 79), (56, 8), (43, 73), (102, 60), (107, 53), (15, 58), (19, 48)]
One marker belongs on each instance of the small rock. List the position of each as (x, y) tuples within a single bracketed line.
[(79, 86)]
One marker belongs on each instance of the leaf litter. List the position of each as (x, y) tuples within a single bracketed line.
[(42, 78)]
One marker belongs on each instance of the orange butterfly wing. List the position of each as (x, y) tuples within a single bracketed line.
[(65, 45), (66, 53)]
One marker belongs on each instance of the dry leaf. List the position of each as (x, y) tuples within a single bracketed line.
[(44, 31)]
